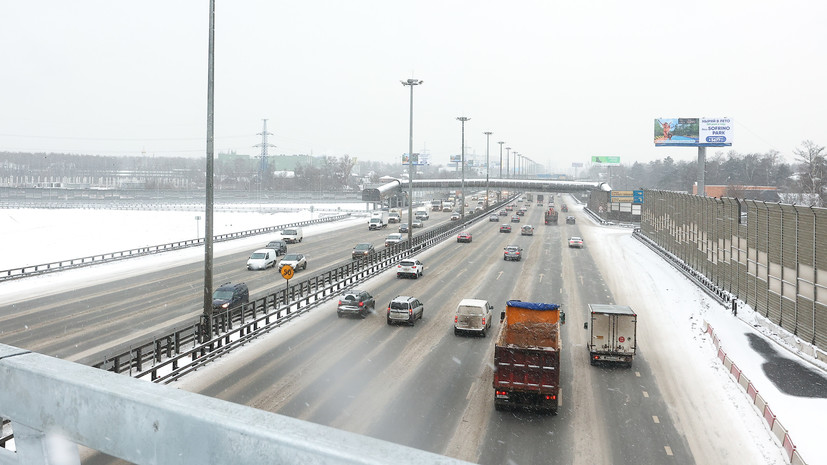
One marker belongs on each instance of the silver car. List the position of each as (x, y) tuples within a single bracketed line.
[(513, 252), (405, 309)]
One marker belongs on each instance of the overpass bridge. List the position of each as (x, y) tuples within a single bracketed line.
[(396, 186)]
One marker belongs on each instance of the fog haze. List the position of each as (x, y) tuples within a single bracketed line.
[(558, 82)]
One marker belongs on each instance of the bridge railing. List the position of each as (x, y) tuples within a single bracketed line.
[(53, 405)]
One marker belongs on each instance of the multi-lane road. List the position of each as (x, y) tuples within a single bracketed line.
[(420, 386)]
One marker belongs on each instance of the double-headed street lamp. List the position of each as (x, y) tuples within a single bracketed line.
[(487, 168), (462, 119), (411, 83)]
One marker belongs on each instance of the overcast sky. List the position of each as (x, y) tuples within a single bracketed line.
[(557, 81)]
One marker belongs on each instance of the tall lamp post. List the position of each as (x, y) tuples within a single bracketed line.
[(499, 192), (411, 83), (462, 119), (487, 167), (507, 157)]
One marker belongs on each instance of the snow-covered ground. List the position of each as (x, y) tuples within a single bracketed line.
[(32, 236)]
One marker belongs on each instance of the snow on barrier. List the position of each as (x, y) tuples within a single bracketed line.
[(775, 426)]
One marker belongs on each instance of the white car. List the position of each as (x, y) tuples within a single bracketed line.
[(295, 260), (393, 239), (575, 241), (410, 267), (262, 259)]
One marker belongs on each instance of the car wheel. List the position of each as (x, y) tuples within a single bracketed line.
[(364, 314), (456, 332), (305, 266), (483, 332), (339, 313), (389, 321)]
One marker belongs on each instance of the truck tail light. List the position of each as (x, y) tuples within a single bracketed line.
[(483, 321), (361, 304), (340, 302), (550, 397), (456, 320), (501, 393)]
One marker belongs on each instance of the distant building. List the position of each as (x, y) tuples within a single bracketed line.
[(763, 193)]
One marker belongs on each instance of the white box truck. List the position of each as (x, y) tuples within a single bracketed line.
[(613, 334), (378, 220)]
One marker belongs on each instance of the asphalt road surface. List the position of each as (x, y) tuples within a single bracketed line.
[(420, 386)]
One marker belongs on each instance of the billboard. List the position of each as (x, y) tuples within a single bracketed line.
[(418, 159), (693, 132), (606, 161), (455, 159)]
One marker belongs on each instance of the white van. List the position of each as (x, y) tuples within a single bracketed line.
[(262, 259), (292, 235), (473, 316)]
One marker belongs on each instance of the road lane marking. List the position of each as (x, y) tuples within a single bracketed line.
[(668, 450), (541, 277), (637, 373), (655, 419), (471, 391), (645, 394), (499, 274)]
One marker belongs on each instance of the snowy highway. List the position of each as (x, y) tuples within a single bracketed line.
[(425, 387)]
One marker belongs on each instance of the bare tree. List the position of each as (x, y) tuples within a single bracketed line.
[(811, 170)]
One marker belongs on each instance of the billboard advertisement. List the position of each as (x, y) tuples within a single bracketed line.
[(455, 159), (606, 161), (693, 132), (418, 159)]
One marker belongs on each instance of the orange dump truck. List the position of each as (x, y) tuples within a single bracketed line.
[(527, 357)]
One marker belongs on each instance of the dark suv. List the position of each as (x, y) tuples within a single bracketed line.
[(279, 246), (230, 295), (363, 250), (355, 302)]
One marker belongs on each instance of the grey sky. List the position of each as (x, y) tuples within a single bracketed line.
[(557, 81)]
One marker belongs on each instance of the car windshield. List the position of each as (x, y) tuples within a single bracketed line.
[(399, 305), (512, 249), (350, 297), (362, 246), (407, 263), (223, 294), (258, 255), (289, 232), (291, 257)]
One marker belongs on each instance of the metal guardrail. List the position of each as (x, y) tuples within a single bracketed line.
[(169, 357), (22, 272), (53, 404)]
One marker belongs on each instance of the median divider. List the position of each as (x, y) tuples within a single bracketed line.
[(168, 358)]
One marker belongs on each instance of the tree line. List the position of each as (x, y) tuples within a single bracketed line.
[(804, 177)]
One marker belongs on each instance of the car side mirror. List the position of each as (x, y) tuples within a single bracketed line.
[(562, 318), (586, 325), (502, 316)]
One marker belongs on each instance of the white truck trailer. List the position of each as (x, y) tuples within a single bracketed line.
[(613, 334)]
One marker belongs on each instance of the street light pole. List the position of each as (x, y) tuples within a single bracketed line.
[(463, 119), (499, 192), (487, 168), (411, 83), (507, 158)]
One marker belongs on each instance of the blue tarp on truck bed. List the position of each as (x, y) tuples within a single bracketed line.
[(531, 305)]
